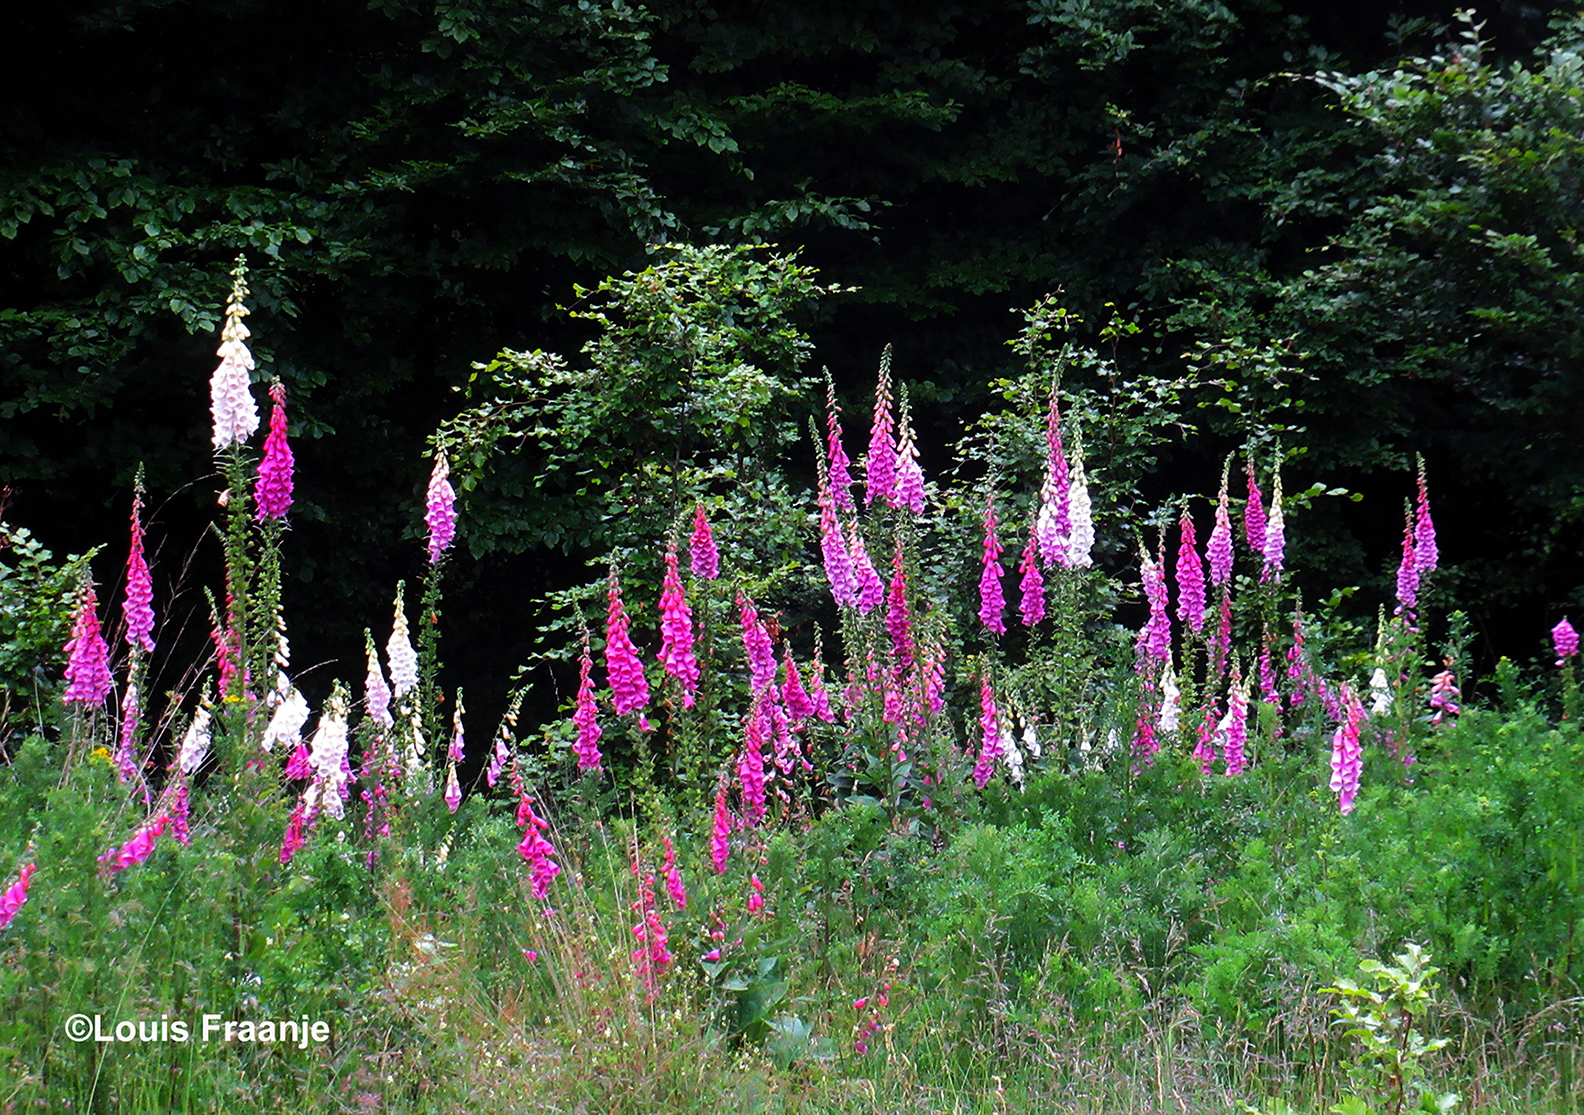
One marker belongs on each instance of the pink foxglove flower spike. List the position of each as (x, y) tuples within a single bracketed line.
[(88, 679), (440, 509), (1031, 588), (909, 491), (1190, 577), (15, 895), (138, 607), (1347, 754), (991, 601), (703, 557), (272, 491), (880, 470), (841, 480), (1565, 641), (871, 589), (1254, 514), (586, 716), (989, 734), (676, 631), (1427, 556), (629, 686), (1219, 548)]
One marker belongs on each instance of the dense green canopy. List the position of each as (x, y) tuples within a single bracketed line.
[(1264, 185)]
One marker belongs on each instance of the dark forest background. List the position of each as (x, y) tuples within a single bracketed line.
[(418, 186)]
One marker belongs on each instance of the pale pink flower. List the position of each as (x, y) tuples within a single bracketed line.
[(126, 763), (1232, 732), (676, 631), (286, 722), (327, 753), (498, 757), (272, 491), (1347, 755), (195, 743), (1443, 696), (376, 694), (1053, 521), (1154, 638), (1081, 544), (1219, 548), (909, 491), (88, 679), (138, 607), (230, 388), (440, 509), (1275, 551), (453, 788), (458, 740), (629, 686), (991, 602), (703, 557), (400, 654)]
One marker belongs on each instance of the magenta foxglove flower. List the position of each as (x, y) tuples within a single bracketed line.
[(909, 491), (899, 619), (703, 557), (750, 764), (629, 686), (1031, 588), (673, 877), (296, 832), (272, 491), (1219, 548), (139, 848), (1154, 638), (720, 839), (1190, 577), (298, 766), (1426, 554), (1081, 544), (652, 955), (755, 894), (991, 602), (1221, 646), (756, 646), (15, 895), (498, 757), (676, 631), (536, 849), (841, 480), (1053, 521), (816, 688), (871, 589), (126, 763), (453, 788), (880, 471), (1204, 749), (440, 509), (1408, 572), (838, 562), (1443, 696), (376, 694), (1297, 663), (586, 716), (1254, 514), (88, 679), (990, 735), (458, 741), (138, 607), (793, 694), (1347, 755), (1275, 535), (1565, 641), (400, 654), (230, 388)]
